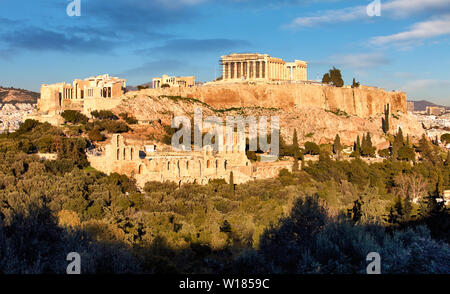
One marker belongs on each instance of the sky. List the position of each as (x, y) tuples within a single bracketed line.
[(404, 47)]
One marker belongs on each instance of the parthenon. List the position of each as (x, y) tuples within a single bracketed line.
[(261, 67)]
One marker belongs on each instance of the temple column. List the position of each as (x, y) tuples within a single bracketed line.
[(224, 70), (266, 70), (247, 73), (261, 69)]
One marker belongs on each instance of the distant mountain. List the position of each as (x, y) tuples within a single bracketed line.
[(13, 96), (422, 105), (135, 88)]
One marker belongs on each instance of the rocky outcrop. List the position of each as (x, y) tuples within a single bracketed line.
[(362, 101), (312, 123)]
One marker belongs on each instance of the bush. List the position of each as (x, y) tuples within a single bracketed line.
[(112, 126), (74, 117), (104, 114), (312, 148), (129, 119), (384, 153), (445, 138), (95, 135)]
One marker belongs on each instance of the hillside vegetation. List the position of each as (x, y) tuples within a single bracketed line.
[(323, 219)]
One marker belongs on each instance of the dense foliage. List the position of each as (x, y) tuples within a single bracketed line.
[(322, 219)]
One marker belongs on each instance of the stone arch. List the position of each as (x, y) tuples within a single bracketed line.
[(225, 165), (140, 169), (131, 154), (208, 163), (118, 154), (168, 165), (187, 164)]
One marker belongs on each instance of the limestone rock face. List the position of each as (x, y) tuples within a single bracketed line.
[(362, 101), (312, 123)]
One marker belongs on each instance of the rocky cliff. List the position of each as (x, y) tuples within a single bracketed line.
[(362, 101), (312, 123)]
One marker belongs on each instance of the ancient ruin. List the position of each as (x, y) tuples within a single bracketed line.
[(261, 67), (145, 163), (93, 93), (173, 82)]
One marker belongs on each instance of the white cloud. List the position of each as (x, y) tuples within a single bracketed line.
[(393, 8), (419, 31), (360, 60), (425, 85)]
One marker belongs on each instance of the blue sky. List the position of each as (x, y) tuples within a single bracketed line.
[(406, 48)]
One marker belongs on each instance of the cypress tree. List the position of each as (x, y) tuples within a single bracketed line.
[(386, 125), (295, 147), (232, 182), (337, 146), (295, 166)]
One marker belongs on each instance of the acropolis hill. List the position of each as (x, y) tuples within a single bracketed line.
[(362, 101), (251, 85)]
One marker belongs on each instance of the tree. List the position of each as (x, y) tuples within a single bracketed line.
[(385, 120), (445, 138), (295, 166), (326, 79), (232, 183), (337, 146), (74, 117), (295, 147), (334, 77), (312, 148), (367, 148), (355, 84), (95, 135), (398, 143)]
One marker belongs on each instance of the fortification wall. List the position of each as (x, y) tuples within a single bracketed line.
[(362, 101), (91, 104)]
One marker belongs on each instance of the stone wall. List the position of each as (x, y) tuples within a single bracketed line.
[(180, 167), (91, 104), (363, 101)]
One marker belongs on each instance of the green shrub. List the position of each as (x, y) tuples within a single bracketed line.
[(312, 148), (104, 114), (75, 117)]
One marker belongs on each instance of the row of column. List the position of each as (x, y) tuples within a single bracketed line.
[(247, 69), (256, 69)]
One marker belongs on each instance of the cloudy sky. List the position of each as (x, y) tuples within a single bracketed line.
[(406, 48)]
